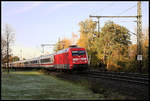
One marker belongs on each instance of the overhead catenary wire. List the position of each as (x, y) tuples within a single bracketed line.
[(109, 5), (127, 10)]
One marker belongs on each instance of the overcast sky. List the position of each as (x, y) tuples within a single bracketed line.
[(37, 23)]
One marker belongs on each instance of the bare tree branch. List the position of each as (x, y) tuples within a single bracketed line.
[(7, 40)]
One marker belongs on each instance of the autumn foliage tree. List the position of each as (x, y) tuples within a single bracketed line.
[(62, 44), (11, 58), (111, 47), (145, 47), (132, 64), (86, 40)]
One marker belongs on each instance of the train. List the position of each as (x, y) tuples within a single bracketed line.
[(71, 58)]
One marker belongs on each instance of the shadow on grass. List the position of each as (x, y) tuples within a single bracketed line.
[(94, 86)]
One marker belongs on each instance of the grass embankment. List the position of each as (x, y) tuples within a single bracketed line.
[(106, 93), (93, 85), (33, 85)]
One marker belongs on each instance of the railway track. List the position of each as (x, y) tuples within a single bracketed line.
[(119, 76)]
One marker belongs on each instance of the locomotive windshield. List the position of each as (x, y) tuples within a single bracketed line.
[(74, 53)]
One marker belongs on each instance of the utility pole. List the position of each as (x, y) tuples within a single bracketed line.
[(58, 46), (42, 45), (63, 44), (21, 54), (98, 26), (139, 33), (97, 22)]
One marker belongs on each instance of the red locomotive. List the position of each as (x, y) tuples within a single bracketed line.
[(72, 58)]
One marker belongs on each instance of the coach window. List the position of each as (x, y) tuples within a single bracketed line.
[(35, 61), (45, 60), (42, 61), (48, 60), (26, 63)]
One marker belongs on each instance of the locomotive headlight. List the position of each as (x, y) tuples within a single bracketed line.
[(83, 58), (75, 59)]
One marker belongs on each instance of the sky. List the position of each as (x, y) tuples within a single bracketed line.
[(35, 23)]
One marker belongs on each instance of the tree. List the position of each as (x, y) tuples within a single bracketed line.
[(145, 50), (23, 59), (112, 45), (110, 49), (62, 44), (15, 58), (11, 58), (86, 40), (145, 54), (3, 49), (8, 39)]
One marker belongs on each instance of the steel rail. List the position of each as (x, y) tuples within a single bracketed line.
[(116, 76)]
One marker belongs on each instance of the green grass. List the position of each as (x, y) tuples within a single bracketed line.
[(33, 85)]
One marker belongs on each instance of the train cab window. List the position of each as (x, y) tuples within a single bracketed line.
[(74, 53), (62, 51), (45, 60)]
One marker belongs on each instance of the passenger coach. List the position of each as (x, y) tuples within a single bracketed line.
[(72, 58)]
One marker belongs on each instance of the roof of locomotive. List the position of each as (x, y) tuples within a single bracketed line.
[(67, 49)]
